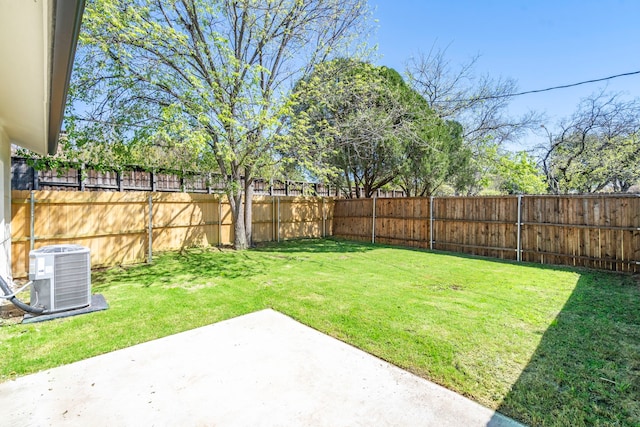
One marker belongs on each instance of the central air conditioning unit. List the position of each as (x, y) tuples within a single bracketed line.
[(61, 276)]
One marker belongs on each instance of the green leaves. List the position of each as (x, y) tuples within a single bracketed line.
[(370, 129), (436, 156), (200, 84), (518, 173), (359, 119)]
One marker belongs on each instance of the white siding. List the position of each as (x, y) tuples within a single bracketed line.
[(5, 205)]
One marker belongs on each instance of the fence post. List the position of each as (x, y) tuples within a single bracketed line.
[(119, 181), (431, 223), (152, 178), (273, 217), (32, 237), (324, 220), (36, 179), (404, 222), (373, 222), (519, 249), (150, 230), (278, 219), (219, 220), (81, 177)]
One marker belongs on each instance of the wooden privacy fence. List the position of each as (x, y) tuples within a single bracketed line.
[(127, 227), (85, 178), (599, 231)]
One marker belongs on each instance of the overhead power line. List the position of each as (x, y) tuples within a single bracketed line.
[(575, 84), (527, 92)]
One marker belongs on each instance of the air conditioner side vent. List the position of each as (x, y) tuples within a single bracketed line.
[(72, 280)]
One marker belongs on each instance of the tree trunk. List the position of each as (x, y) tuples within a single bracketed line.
[(248, 205), (240, 238), (349, 192), (237, 212), (367, 190)]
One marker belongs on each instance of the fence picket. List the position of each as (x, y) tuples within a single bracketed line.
[(596, 231), (125, 228)]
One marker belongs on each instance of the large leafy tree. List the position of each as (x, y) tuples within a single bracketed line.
[(371, 128), (352, 113), (205, 77), (518, 173), (436, 157)]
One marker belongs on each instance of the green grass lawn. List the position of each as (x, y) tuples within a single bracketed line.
[(546, 346)]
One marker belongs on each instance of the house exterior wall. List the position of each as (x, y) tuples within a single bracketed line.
[(5, 204)]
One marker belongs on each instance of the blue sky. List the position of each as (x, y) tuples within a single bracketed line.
[(538, 43)]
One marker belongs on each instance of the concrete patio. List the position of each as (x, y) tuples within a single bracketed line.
[(261, 369)]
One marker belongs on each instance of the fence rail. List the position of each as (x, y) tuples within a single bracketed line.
[(125, 228), (596, 231), (601, 231)]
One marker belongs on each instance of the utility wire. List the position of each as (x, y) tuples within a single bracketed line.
[(574, 84), (510, 95)]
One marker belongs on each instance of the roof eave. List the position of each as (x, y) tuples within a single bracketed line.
[(68, 19)]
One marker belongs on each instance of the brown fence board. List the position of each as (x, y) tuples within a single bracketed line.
[(595, 231), (483, 226), (114, 225), (599, 231)]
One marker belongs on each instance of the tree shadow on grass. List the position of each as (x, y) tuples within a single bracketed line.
[(586, 369), (327, 245), (196, 265)]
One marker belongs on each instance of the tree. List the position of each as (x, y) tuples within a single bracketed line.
[(518, 173), (358, 117), (377, 130), (205, 77), (478, 103), (596, 149), (437, 156)]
